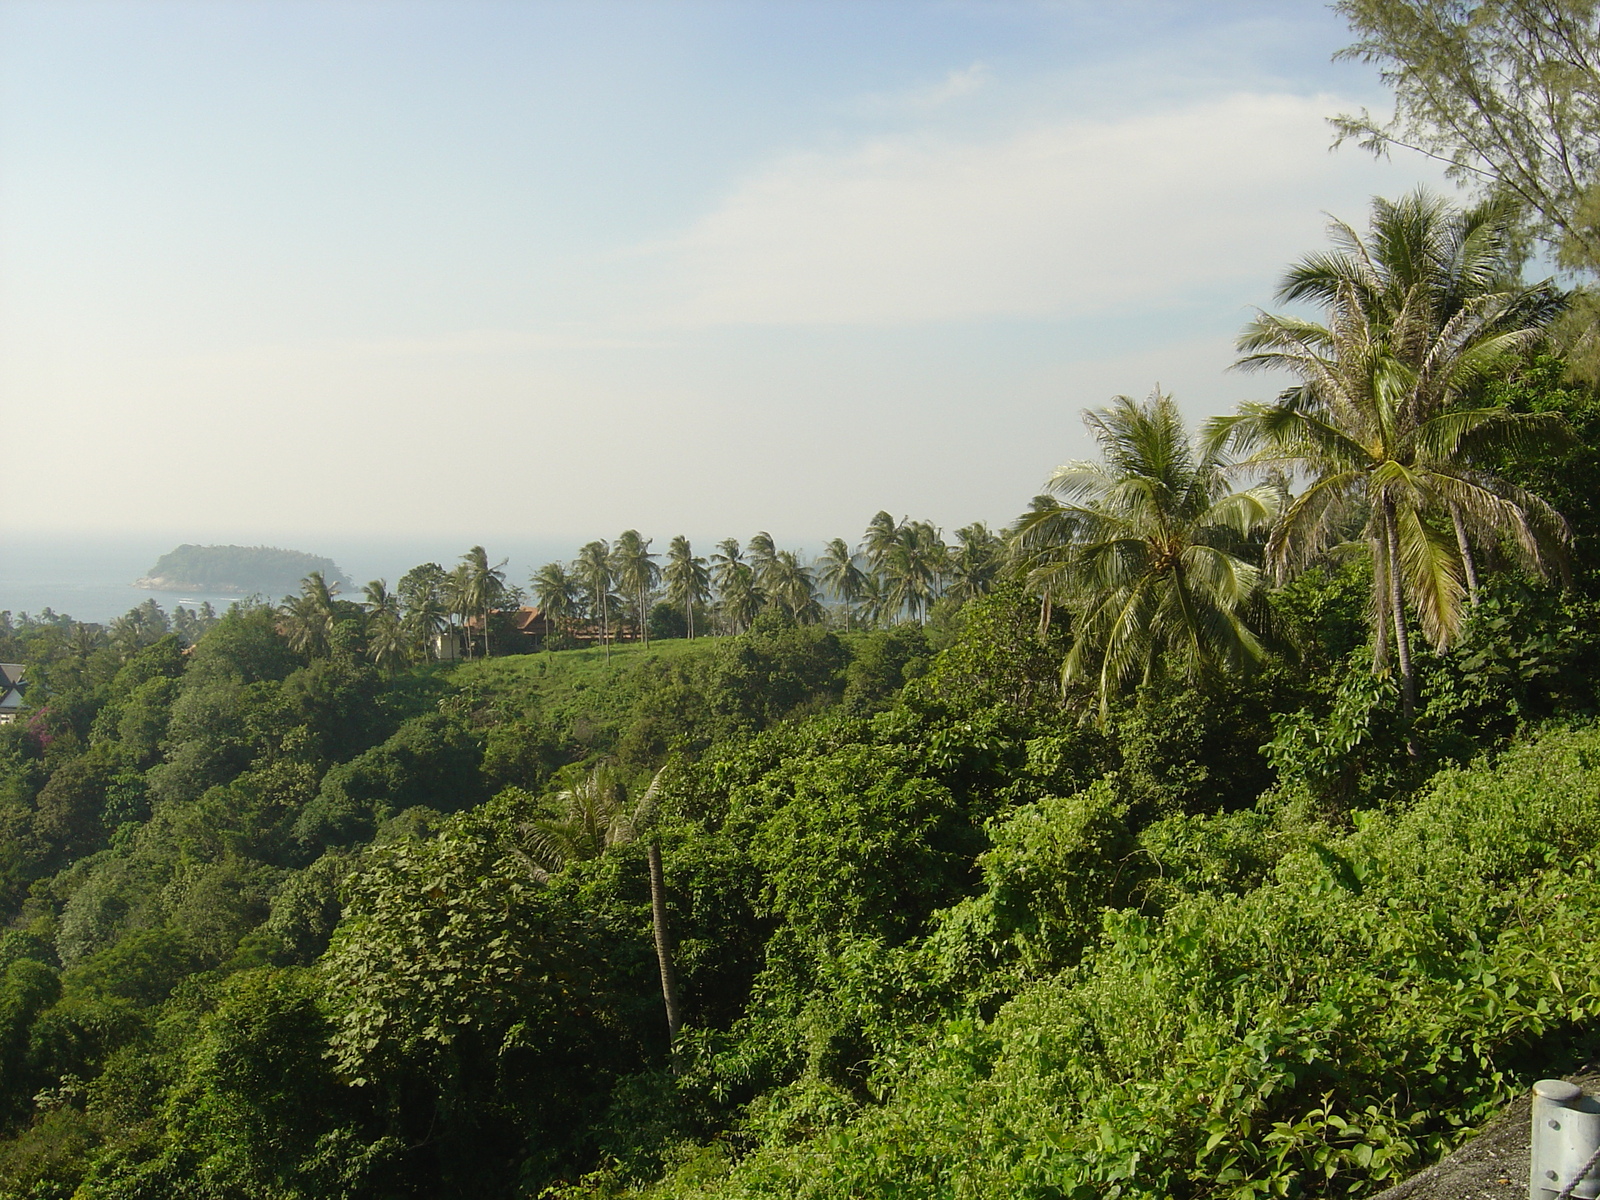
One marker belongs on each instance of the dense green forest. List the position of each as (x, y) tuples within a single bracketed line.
[(1226, 826)]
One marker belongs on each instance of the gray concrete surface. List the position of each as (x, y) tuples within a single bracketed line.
[(1493, 1165)]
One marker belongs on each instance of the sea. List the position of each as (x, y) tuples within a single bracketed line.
[(89, 577)]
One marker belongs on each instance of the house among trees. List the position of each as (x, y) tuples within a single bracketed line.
[(11, 686), (529, 624), (511, 631)]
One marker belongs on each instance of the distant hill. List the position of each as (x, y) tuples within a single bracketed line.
[(240, 570)]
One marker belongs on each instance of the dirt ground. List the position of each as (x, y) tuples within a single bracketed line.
[(1492, 1166)]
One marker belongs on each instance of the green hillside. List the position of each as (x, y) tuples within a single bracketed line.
[(1225, 826)]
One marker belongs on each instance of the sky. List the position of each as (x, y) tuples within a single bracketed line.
[(311, 272)]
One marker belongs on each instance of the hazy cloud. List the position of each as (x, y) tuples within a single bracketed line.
[(1060, 220)]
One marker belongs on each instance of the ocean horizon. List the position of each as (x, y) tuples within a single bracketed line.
[(90, 577)]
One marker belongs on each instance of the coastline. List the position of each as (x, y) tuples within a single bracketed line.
[(160, 583)]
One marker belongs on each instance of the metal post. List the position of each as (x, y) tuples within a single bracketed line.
[(1566, 1138)]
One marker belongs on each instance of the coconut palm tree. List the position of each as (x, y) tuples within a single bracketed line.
[(379, 601), (879, 538), (727, 559), (974, 566), (309, 618), (763, 553), (387, 645), (1150, 550), (688, 581), (424, 623), (876, 601), (557, 592), (636, 574), (912, 566), (386, 640), (483, 588), (789, 585), (1033, 560), (840, 575), (596, 816), (421, 592), (739, 597), (1418, 315), (85, 639), (594, 574), (458, 601)]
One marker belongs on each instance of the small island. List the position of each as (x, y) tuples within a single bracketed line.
[(236, 570)]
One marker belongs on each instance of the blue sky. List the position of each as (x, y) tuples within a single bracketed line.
[(282, 271)]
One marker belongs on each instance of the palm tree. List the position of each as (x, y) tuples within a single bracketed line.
[(740, 598), (789, 584), (879, 539), (593, 572), (1419, 314), (387, 645), (386, 641), (1149, 548), (728, 560), (421, 592), (688, 581), (379, 601), (636, 574), (151, 620), (763, 553), (594, 816), (425, 622), (86, 639), (840, 575), (483, 588), (1035, 560), (557, 592), (309, 618), (597, 817), (912, 566), (876, 601), (458, 600), (974, 566), (124, 632)]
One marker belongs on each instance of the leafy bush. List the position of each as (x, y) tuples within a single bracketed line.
[(1248, 1042)]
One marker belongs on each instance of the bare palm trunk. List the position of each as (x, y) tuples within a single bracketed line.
[(658, 918), (1380, 570), (1402, 633), (1469, 565)]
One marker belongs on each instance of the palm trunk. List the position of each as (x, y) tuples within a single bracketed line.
[(1380, 584), (658, 918), (1402, 633), (1469, 566)]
